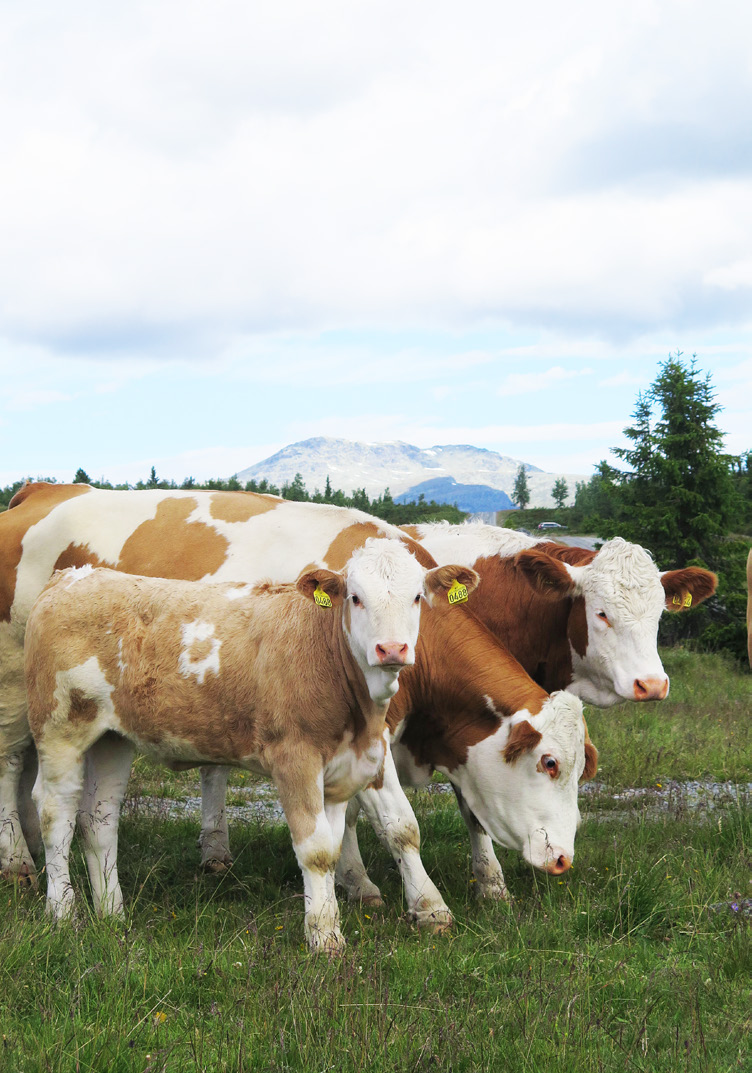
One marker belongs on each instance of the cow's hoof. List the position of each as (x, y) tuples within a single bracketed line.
[(217, 866), (436, 922), (333, 944), (24, 880), (493, 891), (372, 901)]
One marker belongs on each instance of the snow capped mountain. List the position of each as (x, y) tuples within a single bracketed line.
[(400, 467)]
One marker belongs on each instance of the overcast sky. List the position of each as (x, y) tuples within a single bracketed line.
[(226, 226)]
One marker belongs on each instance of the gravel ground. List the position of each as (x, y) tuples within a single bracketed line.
[(694, 798)]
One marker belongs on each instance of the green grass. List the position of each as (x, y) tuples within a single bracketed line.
[(633, 960)]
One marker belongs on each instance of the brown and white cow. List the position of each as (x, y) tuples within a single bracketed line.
[(261, 677), (513, 754), (576, 619)]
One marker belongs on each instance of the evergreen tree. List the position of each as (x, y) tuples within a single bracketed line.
[(153, 481), (560, 492), (521, 492), (82, 477)]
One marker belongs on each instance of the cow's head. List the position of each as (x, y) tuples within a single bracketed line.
[(380, 592), (617, 600), (521, 781)]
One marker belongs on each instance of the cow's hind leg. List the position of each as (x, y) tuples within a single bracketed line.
[(26, 809), (316, 832), (393, 820), (57, 794), (16, 860), (107, 768), (486, 868), (214, 839), (351, 872)]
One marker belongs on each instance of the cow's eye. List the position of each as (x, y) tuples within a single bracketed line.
[(549, 765), (603, 617), (418, 598), (356, 600)]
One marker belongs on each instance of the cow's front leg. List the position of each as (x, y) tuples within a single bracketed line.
[(214, 839), (486, 868), (393, 820), (316, 830), (16, 860), (351, 872)]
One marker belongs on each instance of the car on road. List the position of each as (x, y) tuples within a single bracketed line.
[(551, 525)]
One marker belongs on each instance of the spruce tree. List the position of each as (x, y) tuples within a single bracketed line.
[(521, 492), (560, 491)]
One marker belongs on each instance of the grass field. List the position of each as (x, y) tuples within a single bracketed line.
[(634, 960)]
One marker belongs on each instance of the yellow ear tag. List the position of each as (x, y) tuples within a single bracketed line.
[(676, 601), (688, 600), (458, 593), (321, 597)]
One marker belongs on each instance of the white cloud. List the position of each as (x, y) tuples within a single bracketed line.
[(523, 383)]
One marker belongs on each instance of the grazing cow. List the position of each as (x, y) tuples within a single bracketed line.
[(513, 754), (269, 678), (576, 619), (749, 606)]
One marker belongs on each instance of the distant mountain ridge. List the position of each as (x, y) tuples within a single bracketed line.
[(474, 472)]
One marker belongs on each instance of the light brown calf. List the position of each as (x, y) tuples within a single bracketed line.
[(257, 677)]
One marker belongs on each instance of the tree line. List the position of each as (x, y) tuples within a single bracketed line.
[(681, 496), (382, 506)]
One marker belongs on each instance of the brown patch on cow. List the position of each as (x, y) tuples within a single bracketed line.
[(43, 491), (27, 507), (591, 761), (77, 555), (411, 530), (522, 738), (545, 574), (82, 709), (240, 506), (199, 650), (577, 630), (169, 546), (565, 553), (354, 536), (688, 587), (406, 837)]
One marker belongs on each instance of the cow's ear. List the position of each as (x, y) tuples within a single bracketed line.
[(550, 578), (688, 587), (522, 738), (322, 584), (591, 757), (448, 582)]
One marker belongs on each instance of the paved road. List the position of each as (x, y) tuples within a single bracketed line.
[(588, 542)]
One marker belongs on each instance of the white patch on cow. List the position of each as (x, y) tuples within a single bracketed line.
[(465, 544), (77, 573), (385, 584), (347, 773), (520, 807), (193, 633), (491, 706), (89, 678), (122, 666), (410, 773), (623, 583), (239, 592)]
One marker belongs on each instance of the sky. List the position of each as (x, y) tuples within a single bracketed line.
[(226, 227)]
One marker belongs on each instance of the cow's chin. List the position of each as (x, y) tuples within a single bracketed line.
[(599, 695), (382, 681)]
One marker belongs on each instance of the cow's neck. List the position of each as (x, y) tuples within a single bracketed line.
[(534, 629)]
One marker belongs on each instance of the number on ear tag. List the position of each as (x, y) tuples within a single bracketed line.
[(676, 601), (688, 600), (321, 597), (457, 594)]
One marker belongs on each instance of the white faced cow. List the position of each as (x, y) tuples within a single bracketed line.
[(258, 677), (576, 619)]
